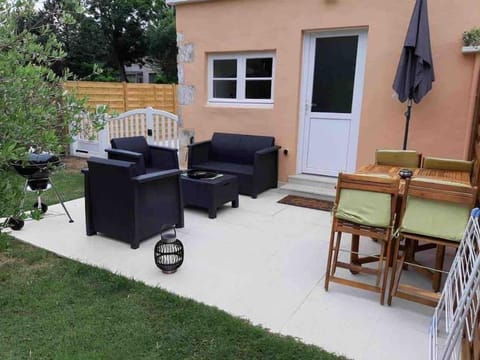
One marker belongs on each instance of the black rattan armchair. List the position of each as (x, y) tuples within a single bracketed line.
[(126, 206), (147, 157)]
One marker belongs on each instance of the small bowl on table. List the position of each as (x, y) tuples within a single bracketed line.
[(201, 174), (405, 173)]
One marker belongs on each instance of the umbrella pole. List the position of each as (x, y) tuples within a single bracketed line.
[(407, 117)]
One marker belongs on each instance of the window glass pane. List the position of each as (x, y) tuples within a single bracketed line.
[(225, 68), (261, 67), (224, 89), (258, 89), (134, 77), (334, 74), (152, 77)]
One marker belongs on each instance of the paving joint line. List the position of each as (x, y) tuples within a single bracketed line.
[(300, 305)]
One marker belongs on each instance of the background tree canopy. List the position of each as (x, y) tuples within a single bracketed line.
[(112, 34)]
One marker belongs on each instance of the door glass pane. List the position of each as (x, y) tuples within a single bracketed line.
[(334, 74), (225, 68), (258, 89), (261, 67), (224, 89)]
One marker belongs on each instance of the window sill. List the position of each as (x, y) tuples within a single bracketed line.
[(239, 105)]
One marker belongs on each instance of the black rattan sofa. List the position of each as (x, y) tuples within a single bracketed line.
[(253, 159)]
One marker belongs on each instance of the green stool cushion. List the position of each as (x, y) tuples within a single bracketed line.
[(404, 158), (435, 218), (447, 164), (364, 207)]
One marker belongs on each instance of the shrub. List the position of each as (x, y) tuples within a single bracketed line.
[(472, 37)]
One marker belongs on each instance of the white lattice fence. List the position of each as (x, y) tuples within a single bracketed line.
[(157, 126), (165, 129), (130, 123)]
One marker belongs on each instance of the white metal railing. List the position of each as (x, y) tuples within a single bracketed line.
[(157, 126), (456, 314)]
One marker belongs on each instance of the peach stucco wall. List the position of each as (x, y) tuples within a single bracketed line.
[(440, 123)]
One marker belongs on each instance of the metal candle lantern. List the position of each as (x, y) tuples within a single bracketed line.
[(169, 250)]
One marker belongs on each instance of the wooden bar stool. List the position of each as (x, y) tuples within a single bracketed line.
[(364, 206), (434, 167), (433, 212)]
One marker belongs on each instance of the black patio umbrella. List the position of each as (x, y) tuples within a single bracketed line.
[(414, 76)]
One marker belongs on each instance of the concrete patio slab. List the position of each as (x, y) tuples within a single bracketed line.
[(265, 262)]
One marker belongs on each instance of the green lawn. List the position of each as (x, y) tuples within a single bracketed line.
[(55, 308)]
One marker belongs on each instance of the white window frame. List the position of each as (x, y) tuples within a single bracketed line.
[(241, 78)]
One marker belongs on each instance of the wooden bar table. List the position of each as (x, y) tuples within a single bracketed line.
[(460, 177)]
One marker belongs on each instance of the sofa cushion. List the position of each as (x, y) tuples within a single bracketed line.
[(236, 148), (136, 144), (152, 170), (225, 167)]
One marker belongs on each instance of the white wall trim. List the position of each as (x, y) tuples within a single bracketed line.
[(239, 105), (307, 49), (307, 71), (181, 2), (241, 78)]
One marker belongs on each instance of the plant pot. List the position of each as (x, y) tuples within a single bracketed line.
[(470, 49)]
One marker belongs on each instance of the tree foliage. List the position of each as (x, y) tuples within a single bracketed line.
[(81, 37), (35, 110), (162, 45), (32, 102), (114, 33)]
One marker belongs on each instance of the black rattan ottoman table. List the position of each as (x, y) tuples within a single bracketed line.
[(210, 193)]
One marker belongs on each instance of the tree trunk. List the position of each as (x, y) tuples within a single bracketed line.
[(121, 69), (119, 63)]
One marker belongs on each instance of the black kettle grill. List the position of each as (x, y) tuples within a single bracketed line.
[(37, 171)]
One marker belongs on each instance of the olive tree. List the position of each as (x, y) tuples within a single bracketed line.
[(35, 110)]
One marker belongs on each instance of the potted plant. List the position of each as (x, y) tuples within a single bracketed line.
[(471, 40)]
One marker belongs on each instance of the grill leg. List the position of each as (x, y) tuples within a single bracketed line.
[(60, 198), (39, 201), (24, 194)]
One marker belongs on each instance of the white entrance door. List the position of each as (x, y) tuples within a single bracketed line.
[(332, 86)]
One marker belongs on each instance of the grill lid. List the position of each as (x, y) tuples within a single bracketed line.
[(44, 158), (37, 166)]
